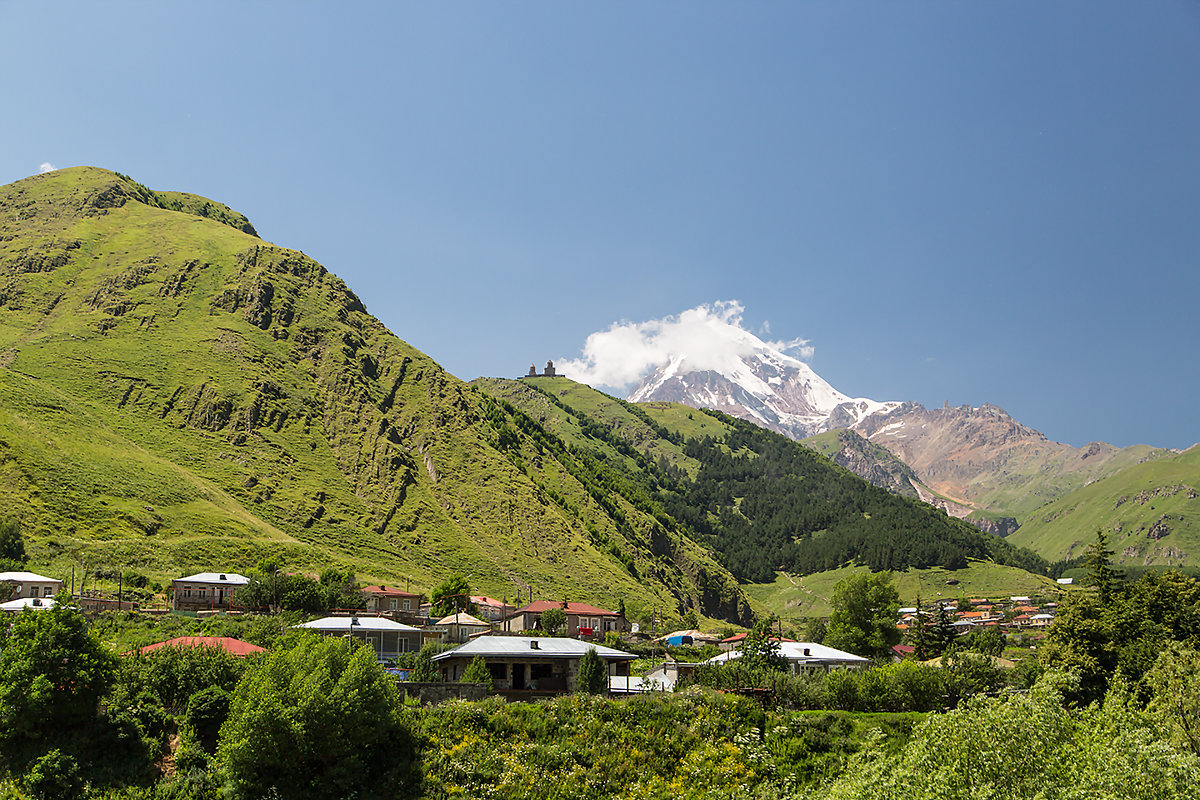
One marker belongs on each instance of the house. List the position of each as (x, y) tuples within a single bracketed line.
[(582, 619), (235, 647), (20, 604), (529, 665), (386, 600), (806, 657), (30, 584), (490, 608), (461, 627), (206, 590), (388, 638)]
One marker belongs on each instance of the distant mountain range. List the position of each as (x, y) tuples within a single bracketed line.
[(976, 463)]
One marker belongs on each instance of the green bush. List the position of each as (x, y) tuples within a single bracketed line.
[(314, 719), (54, 776)]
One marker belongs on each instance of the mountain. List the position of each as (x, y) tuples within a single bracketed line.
[(764, 385), (974, 463), (983, 459), (1150, 511), (179, 395), (762, 501)]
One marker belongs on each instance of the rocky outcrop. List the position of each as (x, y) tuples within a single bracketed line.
[(997, 526)]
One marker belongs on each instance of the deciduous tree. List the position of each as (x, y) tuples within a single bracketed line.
[(315, 719), (863, 620)]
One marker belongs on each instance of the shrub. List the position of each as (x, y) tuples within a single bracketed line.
[(54, 776)]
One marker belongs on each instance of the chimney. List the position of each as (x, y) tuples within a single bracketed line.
[(533, 645)]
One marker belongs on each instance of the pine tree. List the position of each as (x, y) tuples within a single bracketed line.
[(1101, 574)]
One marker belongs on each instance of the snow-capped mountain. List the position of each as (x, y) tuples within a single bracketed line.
[(761, 383)]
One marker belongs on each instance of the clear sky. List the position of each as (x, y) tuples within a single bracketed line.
[(950, 201)]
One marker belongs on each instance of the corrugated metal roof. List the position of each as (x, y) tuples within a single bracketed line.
[(27, 577), (232, 646), (231, 578), (794, 651), (342, 624), (462, 618), (36, 603), (521, 647)]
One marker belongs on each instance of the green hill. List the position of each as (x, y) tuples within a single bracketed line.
[(1150, 511), (177, 395), (763, 502)]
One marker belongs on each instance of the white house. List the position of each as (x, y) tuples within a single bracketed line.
[(528, 664), (206, 590), (36, 603), (389, 639), (30, 584), (806, 656)]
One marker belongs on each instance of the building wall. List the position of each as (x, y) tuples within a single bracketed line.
[(194, 595), (37, 589)]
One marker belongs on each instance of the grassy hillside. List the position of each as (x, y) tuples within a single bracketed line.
[(757, 498), (1151, 512), (177, 395), (797, 597)]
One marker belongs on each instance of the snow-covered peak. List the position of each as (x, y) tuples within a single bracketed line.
[(756, 380)]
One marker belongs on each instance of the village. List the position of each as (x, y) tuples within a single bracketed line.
[(531, 651)]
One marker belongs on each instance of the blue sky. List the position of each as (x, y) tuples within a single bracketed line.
[(963, 202)]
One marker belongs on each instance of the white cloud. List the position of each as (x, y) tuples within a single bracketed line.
[(703, 338), (47, 167)]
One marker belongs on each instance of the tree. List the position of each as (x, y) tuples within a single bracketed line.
[(12, 544), (477, 672), (553, 620), (760, 649), (1100, 572), (451, 596), (815, 630), (53, 673), (206, 712), (592, 677), (423, 669), (987, 641), (315, 719), (941, 633), (863, 620)]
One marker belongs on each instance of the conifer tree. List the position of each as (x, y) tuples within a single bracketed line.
[(1099, 566)]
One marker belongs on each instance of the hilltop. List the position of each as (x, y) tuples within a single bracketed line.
[(178, 395)]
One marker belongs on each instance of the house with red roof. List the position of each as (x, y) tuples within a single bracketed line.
[(235, 647), (396, 603), (582, 619)]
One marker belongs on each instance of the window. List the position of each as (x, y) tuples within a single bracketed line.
[(392, 605), (48, 591), (407, 605)]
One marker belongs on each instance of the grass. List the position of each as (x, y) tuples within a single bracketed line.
[(1127, 506), (799, 597), (149, 418)]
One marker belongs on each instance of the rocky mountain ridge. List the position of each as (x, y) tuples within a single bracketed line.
[(975, 462)]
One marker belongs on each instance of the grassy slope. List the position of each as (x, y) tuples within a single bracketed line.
[(177, 395), (797, 597), (1064, 528)]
